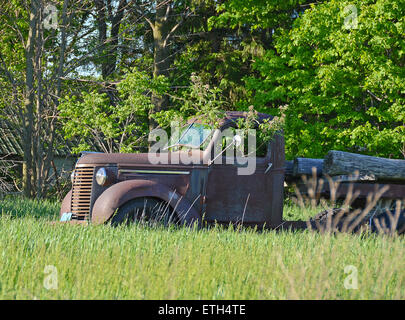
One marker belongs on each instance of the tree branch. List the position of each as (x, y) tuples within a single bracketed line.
[(175, 27)]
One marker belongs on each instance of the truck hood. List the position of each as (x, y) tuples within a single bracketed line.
[(173, 158)]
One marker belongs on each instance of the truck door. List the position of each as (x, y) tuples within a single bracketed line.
[(255, 199)]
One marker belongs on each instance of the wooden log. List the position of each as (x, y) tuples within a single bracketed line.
[(303, 166), (346, 163), (288, 166)]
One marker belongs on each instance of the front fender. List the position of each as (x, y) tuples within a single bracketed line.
[(117, 195), (66, 204)]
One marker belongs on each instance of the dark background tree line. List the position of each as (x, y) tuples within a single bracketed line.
[(112, 70)]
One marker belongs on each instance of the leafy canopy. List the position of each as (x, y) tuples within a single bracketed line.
[(343, 79)]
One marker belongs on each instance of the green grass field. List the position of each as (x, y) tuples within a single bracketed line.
[(101, 262)]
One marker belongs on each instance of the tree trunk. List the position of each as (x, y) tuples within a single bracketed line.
[(28, 115), (345, 163), (102, 35), (160, 56), (109, 45), (37, 145), (115, 28)]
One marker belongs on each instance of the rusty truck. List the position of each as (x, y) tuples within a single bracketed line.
[(117, 187)]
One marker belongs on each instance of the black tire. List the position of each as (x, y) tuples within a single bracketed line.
[(148, 210), (383, 220), (323, 215), (321, 219)]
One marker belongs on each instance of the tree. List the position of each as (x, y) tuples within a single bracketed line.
[(119, 128), (39, 48), (341, 78), (168, 18), (162, 20), (108, 47), (228, 36)]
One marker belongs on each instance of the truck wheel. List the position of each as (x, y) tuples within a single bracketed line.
[(321, 219), (384, 221), (385, 224), (148, 210), (323, 215)]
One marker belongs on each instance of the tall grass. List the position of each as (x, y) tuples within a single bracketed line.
[(138, 262)]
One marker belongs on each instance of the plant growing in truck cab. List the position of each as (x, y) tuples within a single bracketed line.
[(197, 100)]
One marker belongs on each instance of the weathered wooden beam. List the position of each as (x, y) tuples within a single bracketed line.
[(288, 166), (346, 163), (303, 166)]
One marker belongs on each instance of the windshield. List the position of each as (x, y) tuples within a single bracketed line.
[(193, 136)]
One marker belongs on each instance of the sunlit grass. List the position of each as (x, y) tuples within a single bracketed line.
[(101, 262)]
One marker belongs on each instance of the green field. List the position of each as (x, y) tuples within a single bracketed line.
[(101, 262)]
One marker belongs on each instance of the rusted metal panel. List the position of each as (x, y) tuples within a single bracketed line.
[(276, 155), (66, 204), (395, 191), (128, 160), (252, 199), (117, 195), (255, 199), (196, 189), (178, 182), (232, 198)]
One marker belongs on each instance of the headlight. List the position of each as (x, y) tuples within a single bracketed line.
[(101, 176), (72, 176)]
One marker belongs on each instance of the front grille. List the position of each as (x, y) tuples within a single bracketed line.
[(81, 193)]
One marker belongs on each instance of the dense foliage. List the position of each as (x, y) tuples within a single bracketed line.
[(115, 128), (343, 80)]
